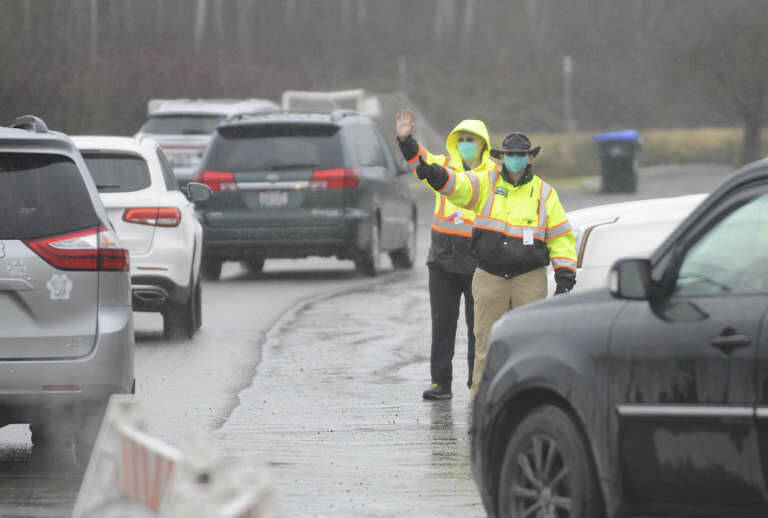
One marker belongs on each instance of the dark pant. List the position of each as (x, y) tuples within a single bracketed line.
[(445, 290)]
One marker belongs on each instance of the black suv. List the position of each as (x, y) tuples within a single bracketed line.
[(290, 185), (646, 398)]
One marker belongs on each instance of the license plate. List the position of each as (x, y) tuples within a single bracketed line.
[(273, 198)]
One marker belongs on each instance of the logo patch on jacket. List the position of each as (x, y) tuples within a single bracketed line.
[(501, 190)]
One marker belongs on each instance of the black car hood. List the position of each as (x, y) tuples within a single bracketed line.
[(593, 296)]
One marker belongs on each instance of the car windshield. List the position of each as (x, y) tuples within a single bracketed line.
[(115, 172), (181, 124), (42, 195), (275, 148)]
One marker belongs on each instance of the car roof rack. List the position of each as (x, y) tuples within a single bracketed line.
[(30, 123)]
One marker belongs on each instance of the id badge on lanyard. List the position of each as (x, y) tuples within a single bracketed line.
[(527, 236)]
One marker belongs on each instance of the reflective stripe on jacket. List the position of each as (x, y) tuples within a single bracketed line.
[(517, 228), (451, 224)]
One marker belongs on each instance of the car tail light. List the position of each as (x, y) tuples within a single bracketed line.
[(218, 180), (155, 216), (342, 178), (95, 249)]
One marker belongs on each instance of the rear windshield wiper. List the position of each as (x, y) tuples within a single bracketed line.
[(194, 132), (107, 187)]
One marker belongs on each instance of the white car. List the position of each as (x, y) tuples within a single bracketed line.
[(184, 127), (156, 222), (605, 233)]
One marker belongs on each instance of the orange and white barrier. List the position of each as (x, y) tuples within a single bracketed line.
[(132, 474)]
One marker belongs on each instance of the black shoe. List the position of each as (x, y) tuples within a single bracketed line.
[(436, 391)]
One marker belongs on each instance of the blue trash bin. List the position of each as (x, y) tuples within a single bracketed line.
[(618, 159)]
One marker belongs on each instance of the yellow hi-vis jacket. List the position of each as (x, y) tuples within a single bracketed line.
[(451, 225), (517, 228), (448, 217)]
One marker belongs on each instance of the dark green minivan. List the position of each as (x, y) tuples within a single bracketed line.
[(292, 185)]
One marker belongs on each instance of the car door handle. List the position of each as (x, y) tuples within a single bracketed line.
[(730, 342)]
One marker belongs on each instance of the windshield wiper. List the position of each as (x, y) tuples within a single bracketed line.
[(106, 187)]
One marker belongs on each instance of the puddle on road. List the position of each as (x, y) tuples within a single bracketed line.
[(336, 411)]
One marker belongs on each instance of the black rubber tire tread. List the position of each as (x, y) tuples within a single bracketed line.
[(255, 265), (211, 269), (366, 263), (40, 434), (405, 258), (556, 424), (179, 320), (198, 306)]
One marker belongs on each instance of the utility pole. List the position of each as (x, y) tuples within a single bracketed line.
[(201, 15), (402, 73), (94, 26), (568, 99)]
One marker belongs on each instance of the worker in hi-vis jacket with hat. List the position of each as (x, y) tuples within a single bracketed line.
[(450, 263), (520, 227)]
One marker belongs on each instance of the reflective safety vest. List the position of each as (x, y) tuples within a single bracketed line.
[(449, 218), (517, 228)]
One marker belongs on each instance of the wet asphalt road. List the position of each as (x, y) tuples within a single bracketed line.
[(318, 372)]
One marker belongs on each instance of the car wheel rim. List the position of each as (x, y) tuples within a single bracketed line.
[(541, 483)]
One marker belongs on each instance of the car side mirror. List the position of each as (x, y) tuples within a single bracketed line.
[(198, 192), (630, 279)]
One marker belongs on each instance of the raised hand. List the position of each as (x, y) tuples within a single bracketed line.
[(404, 125)]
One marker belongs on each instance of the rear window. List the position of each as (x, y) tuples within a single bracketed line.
[(42, 195), (273, 147), (113, 172), (182, 124)]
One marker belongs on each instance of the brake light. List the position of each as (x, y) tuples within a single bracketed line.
[(342, 178), (219, 180), (155, 216), (95, 249)]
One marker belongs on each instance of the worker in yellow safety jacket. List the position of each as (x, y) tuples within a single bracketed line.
[(520, 227), (450, 262)]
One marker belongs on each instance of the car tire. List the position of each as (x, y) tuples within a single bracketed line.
[(52, 447), (41, 434), (254, 265), (404, 258), (86, 436), (546, 468), (369, 261), (198, 306), (211, 268), (180, 320)]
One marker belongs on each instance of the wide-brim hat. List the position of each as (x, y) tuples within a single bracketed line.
[(515, 142)]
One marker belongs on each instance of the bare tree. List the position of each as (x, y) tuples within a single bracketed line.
[(201, 14), (729, 56)]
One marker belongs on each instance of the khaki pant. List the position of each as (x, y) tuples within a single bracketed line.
[(494, 296)]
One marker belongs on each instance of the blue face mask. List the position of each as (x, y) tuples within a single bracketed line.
[(468, 150), (515, 163)]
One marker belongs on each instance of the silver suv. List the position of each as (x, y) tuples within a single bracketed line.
[(66, 326)]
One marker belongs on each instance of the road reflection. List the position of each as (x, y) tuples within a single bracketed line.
[(449, 439), (34, 483)]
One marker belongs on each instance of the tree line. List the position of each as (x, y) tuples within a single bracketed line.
[(90, 66)]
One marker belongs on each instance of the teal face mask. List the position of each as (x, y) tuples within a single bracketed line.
[(468, 150), (515, 163)]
